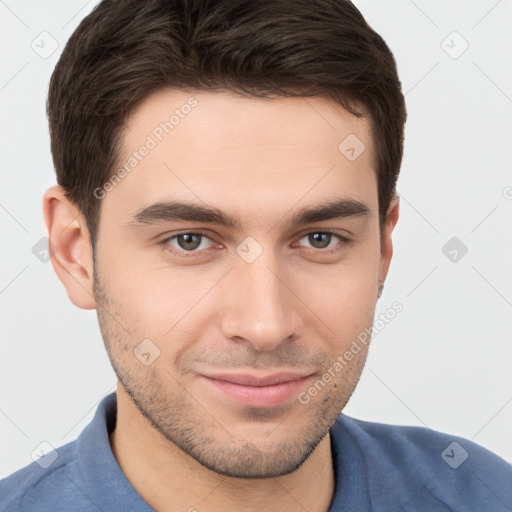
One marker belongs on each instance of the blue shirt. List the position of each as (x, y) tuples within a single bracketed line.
[(378, 467)]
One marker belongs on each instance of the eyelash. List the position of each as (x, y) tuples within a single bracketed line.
[(187, 254)]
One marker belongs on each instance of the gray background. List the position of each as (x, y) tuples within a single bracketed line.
[(444, 362)]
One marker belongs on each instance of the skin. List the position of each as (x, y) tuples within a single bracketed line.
[(181, 443)]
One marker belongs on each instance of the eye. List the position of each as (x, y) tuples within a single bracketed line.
[(321, 240), (193, 243), (189, 242)]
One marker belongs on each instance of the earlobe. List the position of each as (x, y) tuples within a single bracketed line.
[(70, 248)]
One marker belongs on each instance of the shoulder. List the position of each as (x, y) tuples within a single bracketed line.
[(428, 466), (36, 486)]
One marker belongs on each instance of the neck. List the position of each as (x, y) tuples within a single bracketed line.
[(169, 479)]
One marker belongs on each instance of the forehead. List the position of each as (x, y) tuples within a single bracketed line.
[(222, 118), (224, 149)]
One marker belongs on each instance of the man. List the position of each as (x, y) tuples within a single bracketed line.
[(226, 202)]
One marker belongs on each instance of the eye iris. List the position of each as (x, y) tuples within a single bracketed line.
[(189, 244), (317, 237)]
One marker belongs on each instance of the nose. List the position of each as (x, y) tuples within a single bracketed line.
[(259, 305)]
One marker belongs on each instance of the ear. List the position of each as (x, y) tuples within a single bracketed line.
[(387, 242), (70, 248)]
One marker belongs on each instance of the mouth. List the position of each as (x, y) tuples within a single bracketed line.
[(258, 391)]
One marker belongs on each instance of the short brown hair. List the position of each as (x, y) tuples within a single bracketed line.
[(124, 50)]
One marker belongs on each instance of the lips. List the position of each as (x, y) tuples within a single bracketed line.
[(252, 380), (258, 391)]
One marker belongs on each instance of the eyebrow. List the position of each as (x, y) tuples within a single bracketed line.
[(181, 211)]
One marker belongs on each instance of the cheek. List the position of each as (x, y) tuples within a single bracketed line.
[(342, 296), (170, 310)]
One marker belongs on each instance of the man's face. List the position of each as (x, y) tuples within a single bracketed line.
[(263, 297)]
